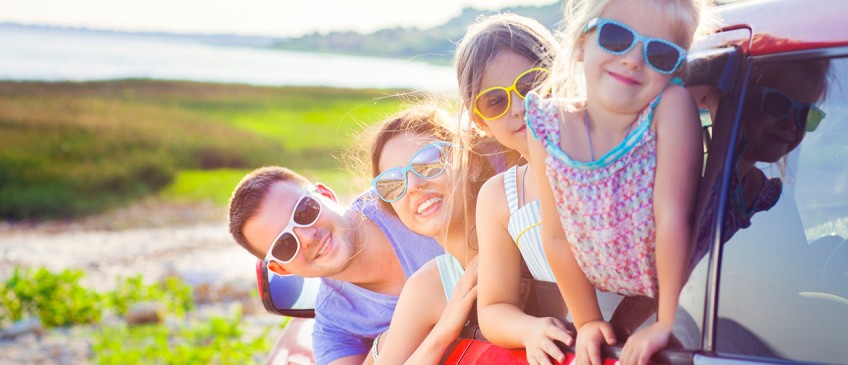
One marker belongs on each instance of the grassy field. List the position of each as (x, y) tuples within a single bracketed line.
[(69, 149)]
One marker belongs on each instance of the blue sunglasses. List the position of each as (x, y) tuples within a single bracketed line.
[(427, 163), (661, 55), (777, 105)]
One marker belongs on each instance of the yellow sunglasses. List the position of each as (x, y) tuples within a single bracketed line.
[(494, 102)]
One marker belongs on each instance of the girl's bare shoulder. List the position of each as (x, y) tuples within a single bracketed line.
[(491, 201)]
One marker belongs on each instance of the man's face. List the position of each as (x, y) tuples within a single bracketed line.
[(325, 246)]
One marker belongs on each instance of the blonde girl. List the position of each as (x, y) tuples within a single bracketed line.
[(498, 61), (617, 158)]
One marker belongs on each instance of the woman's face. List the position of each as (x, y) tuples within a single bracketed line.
[(510, 129), (422, 208)]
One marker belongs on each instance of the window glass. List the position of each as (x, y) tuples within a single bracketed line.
[(784, 276)]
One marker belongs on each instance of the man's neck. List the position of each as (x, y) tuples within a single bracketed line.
[(375, 266)]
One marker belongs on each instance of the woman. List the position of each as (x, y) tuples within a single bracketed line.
[(409, 160)]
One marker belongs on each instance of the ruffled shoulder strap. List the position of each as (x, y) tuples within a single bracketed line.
[(542, 119)]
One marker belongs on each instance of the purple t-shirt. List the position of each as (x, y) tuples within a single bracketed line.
[(348, 317)]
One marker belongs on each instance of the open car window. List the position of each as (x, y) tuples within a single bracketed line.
[(783, 290)]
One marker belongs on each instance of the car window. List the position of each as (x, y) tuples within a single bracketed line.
[(784, 272)]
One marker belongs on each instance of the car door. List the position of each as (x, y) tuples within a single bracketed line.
[(776, 284)]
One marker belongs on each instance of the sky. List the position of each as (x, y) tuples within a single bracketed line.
[(246, 17)]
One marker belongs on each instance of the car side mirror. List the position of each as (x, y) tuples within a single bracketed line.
[(290, 295)]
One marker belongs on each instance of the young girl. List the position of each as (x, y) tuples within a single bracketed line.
[(412, 178), (618, 166), (499, 60)]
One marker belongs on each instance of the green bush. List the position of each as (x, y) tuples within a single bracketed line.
[(174, 293), (57, 299), (215, 341)]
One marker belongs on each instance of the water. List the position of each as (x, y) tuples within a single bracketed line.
[(57, 55)]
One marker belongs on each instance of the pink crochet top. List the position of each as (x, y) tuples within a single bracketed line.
[(605, 206)]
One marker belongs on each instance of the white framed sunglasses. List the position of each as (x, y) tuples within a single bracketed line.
[(286, 245)]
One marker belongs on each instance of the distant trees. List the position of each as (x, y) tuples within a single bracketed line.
[(434, 45)]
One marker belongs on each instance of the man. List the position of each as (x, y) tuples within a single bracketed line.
[(363, 254)]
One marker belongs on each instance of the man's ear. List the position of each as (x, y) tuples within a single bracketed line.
[(324, 190), (277, 268)]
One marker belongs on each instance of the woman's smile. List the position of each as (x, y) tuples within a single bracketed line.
[(429, 206)]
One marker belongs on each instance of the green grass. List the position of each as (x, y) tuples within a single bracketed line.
[(71, 149), (192, 186)]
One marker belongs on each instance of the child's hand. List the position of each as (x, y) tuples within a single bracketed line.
[(589, 338), (642, 344), (539, 344)]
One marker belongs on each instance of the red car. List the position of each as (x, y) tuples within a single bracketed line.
[(770, 284)]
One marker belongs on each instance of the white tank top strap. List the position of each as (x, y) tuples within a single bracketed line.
[(450, 272), (511, 188)]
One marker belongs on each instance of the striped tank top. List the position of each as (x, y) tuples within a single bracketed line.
[(525, 228)]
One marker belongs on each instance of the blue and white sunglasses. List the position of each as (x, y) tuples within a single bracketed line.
[(427, 163), (661, 55)]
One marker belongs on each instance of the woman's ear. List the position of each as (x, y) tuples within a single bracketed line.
[(278, 269), (325, 191)]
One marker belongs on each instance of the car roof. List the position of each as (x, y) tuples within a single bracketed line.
[(808, 24)]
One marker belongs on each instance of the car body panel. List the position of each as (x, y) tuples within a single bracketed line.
[(791, 20)]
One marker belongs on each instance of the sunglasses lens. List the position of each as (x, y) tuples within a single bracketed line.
[(814, 118), (390, 184), (615, 38), (662, 56), (429, 162), (492, 103), (306, 213), (775, 105), (285, 248), (529, 81)]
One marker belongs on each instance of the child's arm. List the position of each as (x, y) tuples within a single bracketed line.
[(423, 324), (502, 320), (679, 158), (578, 292)]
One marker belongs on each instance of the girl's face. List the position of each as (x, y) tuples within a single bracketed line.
[(510, 129), (769, 138), (421, 209), (625, 84)]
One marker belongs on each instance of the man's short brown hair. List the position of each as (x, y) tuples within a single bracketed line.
[(248, 196)]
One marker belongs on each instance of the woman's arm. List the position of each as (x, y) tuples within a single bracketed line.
[(502, 320), (424, 323), (450, 323), (679, 158), (578, 292)]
